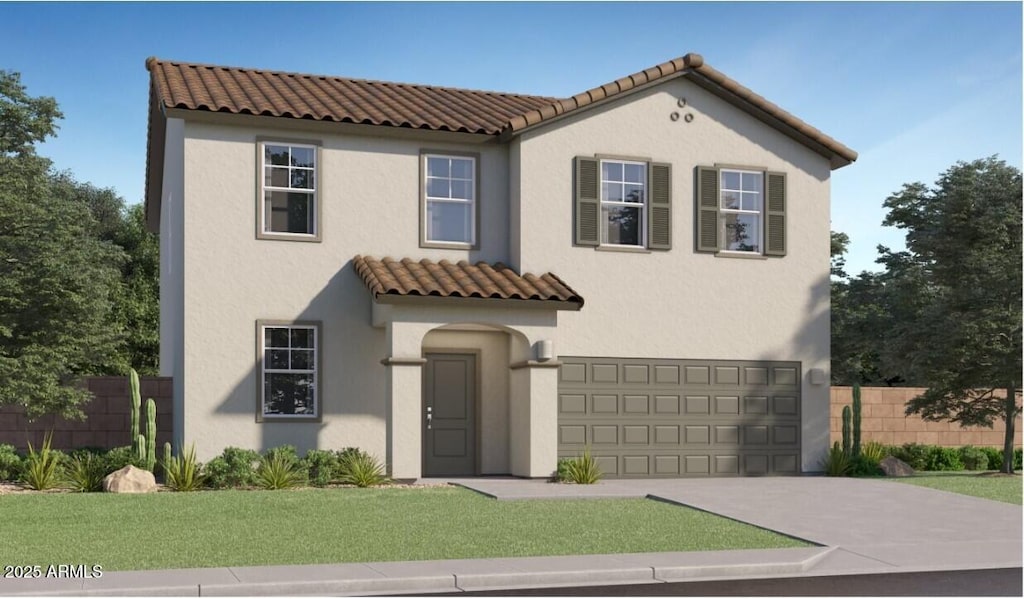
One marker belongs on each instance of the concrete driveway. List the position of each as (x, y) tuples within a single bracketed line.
[(871, 523)]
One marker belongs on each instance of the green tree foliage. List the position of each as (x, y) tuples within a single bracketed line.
[(68, 292), (953, 297)]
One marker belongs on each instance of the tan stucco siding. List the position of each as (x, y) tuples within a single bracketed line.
[(369, 190), (679, 303)]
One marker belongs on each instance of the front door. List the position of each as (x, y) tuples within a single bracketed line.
[(449, 404)]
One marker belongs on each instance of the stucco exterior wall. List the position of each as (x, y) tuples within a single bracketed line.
[(172, 272), (369, 191), (680, 303)]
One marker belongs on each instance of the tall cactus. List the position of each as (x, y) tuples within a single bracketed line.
[(150, 434), (167, 459), (136, 403), (856, 419), (846, 429), (140, 449)]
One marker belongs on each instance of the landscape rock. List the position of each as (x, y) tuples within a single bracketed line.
[(130, 480), (895, 467)]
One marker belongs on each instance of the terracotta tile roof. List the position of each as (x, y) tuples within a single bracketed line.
[(317, 97), (407, 277), (692, 66)]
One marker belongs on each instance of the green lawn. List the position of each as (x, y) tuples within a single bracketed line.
[(233, 528), (986, 485)]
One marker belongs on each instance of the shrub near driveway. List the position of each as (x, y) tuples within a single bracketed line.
[(237, 528)]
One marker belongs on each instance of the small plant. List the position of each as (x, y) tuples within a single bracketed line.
[(994, 456), (837, 461), (847, 415), (234, 467), (85, 473), (856, 419), (279, 470), (11, 464), (581, 470), (914, 454), (867, 463), (361, 469), (1018, 455), (973, 458), (944, 459), (118, 458), (874, 451), (183, 473), (42, 469), (322, 466)]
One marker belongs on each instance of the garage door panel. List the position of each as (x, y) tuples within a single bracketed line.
[(670, 418)]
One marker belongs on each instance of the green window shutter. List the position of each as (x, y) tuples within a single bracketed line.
[(588, 202), (707, 209), (775, 215), (659, 207)]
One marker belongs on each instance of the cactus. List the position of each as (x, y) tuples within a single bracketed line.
[(133, 378), (140, 449), (167, 459), (150, 434), (856, 419), (846, 429)]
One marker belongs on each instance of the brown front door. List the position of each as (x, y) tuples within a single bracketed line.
[(449, 402)]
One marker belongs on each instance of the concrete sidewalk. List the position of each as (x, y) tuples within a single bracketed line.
[(861, 527)]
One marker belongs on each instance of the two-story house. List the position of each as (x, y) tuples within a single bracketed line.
[(402, 268)]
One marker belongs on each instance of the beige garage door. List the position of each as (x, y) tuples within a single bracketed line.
[(671, 418)]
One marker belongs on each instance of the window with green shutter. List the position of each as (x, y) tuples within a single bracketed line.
[(622, 203), (740, 211)]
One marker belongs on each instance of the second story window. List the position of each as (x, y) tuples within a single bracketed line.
[(623, 201), (289, 177), (449, 200), (741, 200)]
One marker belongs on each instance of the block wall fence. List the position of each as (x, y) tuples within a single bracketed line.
[(883, 420), (108, 417)]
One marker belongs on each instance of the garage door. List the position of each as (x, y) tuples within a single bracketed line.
[(671, 418)]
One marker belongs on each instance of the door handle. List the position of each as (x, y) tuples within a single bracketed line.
[(430, 416)]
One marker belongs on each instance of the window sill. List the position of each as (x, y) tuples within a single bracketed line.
[(296, 419), (622, 248), (442, 245), (741, 255), (289, 237)]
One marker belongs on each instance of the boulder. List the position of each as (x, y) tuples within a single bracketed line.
[(895, 467), (130, 480)]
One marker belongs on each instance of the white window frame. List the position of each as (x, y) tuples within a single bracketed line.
[(264, 370), (724, 211), (472, 203), (641, 205), (312, 192)]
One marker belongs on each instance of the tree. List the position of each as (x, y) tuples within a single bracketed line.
[(954, 296), (56, 278)]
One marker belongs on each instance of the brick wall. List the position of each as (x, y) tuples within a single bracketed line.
[(108, 418), (883, 420)]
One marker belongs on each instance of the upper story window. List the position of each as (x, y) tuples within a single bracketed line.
[(623, 202), (289, 181), (449, 189), (288, 370), (742, 194), (740, 211)]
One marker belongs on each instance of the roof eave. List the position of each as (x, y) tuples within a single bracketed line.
[(478, 302)]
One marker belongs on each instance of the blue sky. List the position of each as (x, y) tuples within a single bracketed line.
[(912, 87)]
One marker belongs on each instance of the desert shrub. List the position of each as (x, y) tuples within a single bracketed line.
[(118, 458), (581, 469), (361, 469), (867, 463), (837, 462), (279, 470), (1017, 455), (914, 454), (184, 472), (973, 458), (943, 459), (86, 471), (11, 464), (234, 467), (322, 466), (43, 468)]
